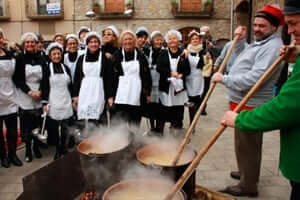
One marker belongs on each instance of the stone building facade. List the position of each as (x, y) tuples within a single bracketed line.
[(154, 14)]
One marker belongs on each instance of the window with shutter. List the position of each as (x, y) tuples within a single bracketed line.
[(4, 14), (192, 8), (44, 9)]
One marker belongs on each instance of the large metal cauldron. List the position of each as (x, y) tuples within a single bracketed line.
[(161, 155), (140, 189), (103, 157)]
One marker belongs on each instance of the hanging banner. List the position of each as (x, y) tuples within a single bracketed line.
[(53, 8)]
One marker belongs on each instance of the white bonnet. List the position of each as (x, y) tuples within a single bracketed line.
[(72, 36), (114, 30), (29, 34), (174, 32), (54, 45), (155, 33), (92, 34)]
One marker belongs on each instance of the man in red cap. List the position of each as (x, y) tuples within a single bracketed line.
[(282, 112), (244, 73)]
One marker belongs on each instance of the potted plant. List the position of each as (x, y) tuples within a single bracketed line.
[(96, 7), (129, 5), (174, 4), (208, 5)]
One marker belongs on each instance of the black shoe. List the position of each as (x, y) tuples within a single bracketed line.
[(28, 156), (238, 191), (57, 156), (15, 160), (37, 152), (204, 113), (235, 175), (5, 162)]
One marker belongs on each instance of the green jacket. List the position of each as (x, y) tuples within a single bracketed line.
[(282, 112)]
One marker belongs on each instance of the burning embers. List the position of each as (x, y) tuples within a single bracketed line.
[(90, 195)]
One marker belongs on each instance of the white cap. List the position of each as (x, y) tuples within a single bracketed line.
[(141, 29), (52, 46), (155, 33), (113, 29), (92, 34), (72, 36), (29, 34), (83, 28), (193, 32), (174, 32)]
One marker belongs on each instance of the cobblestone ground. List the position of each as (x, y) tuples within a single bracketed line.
[(212, 172)]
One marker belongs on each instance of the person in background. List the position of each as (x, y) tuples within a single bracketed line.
[(110, 37), (245, 72), (81, 35), (173, 67), (133, 80), (93, 81), (72, 53), (60, 38), (142, 36), (8, 107), (195, 81), (40, 47), (209, 43), (282, 111), (238, 48), (56, 97), (28, 76), (152, 52)]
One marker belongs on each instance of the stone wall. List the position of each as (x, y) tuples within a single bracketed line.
[(157, 15)]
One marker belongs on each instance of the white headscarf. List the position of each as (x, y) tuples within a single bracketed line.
[(113, 29), (92, 34), (52, 46), (72, 36), (173, 32), (29, 34)]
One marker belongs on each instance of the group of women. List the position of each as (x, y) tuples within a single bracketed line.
[(117, 73)]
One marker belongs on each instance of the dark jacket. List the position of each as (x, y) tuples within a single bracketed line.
[(21, 60), (106, 73), (164, 68), (144, 71)]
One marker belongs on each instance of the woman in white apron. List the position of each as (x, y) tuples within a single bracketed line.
[(56, 97), (72, 55), (93, 81), (8, 107), (173, 68), (29, 73), (195, 81), (110, 36), (152, 109), (133, 84)]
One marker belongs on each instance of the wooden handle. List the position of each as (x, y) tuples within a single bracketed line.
[(203, 104), (188, 172)]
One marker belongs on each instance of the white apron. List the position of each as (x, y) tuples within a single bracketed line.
[(91, 95), (195, 80), (33, 77), (7, 88), (130, 84), (171, 99), (59, 97), (155, 80), (71, 65)]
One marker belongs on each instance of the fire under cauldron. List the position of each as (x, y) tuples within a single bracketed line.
[(140, 189), (103, 157), (161, 155)]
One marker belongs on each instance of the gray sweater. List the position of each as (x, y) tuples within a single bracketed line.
[(249, 67)]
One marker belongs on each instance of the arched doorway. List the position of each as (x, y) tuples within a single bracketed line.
[(185, 32)]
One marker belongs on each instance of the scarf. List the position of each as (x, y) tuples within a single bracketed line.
[(195, 49)]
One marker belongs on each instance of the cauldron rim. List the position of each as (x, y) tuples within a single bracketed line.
[(130, 140), (140, 159), (136, 181)]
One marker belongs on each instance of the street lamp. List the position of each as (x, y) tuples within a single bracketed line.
[(90, 14)]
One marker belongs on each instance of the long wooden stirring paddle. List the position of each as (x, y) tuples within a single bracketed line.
[(188, 172), (203, 104)]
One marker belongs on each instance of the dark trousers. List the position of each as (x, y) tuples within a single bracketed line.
[(248, 147), (53, 130), (11, 134), (29, 120), (196, 100), (128, 113), (206, 88), (295, 194)]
